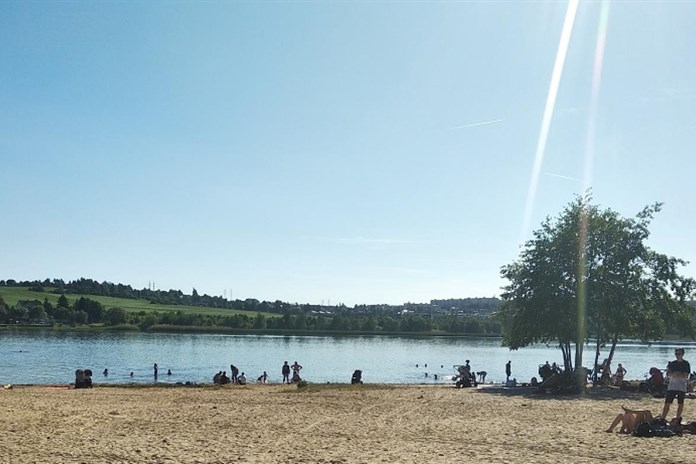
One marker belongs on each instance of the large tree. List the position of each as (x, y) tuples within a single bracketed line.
[(588, 273)]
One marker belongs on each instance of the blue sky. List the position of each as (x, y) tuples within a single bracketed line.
[(351, 152)]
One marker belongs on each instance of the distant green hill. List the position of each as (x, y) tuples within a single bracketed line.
[(12, 295)]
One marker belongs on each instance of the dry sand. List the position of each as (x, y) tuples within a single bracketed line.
[(323, 424)]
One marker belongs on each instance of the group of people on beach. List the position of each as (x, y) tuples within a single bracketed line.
[(466, 375), (642, 423), (236, 378)]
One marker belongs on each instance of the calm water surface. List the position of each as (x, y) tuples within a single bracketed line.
[(46, 357)]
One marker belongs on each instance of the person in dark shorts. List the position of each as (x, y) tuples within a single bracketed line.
[(678, 373)]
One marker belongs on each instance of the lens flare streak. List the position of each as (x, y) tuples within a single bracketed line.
[(587, 177), (548, 112)]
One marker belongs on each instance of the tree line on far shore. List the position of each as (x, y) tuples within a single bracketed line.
[(484, 307), (86, 311)]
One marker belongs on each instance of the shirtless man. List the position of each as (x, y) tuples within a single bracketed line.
[(678, 373)]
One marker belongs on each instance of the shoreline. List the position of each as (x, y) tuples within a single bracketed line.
[(335, 423)]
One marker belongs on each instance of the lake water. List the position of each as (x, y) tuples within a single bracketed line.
[(48, 357)]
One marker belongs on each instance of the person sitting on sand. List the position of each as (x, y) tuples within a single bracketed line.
[(356, 377), (630, 419), (545, 371), (618, 376), (656, 378), (83, 378), (224, 380), (216, 377), (295, 377), (242, 380)]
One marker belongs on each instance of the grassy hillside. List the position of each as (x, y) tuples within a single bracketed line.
[(13, 294)]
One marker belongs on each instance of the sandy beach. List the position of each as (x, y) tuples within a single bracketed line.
[(323, 424)]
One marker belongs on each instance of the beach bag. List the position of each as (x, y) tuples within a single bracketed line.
[(656, 428), (643, 430), (663, 432)]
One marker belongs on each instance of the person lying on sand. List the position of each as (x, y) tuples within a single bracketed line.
[(630, 419), (676, 425)]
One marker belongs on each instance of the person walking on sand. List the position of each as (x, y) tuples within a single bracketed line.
[(508, 370), (678, 374), (286, 372)]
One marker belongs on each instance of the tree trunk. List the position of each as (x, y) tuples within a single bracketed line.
[(567, 356), (595, 377), (614, 341)]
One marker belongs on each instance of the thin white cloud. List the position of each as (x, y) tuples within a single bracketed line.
[(363, 240), (476, 124), (406, 270), (559, 176)]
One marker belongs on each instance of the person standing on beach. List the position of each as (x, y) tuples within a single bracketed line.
[(296, 368), (234, 373), (508, 370), (155, 369), (286, 372), (678, 374)]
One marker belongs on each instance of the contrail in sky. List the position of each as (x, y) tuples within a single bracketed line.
[(548, 113), (483, 123), (559, 176)]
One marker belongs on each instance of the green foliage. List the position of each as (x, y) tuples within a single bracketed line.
[(93, 309), (260, 321), (63, 301), (589, 273), (115, 316), (148, 321)]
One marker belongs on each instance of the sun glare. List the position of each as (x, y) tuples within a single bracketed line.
[(548, 113)]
